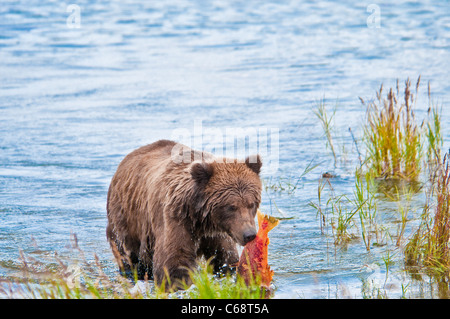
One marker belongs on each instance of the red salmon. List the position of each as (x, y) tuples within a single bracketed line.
[(253, 261)]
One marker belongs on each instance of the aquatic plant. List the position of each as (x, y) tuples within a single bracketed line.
[(398, 153), (343, 213), (392, 136), (404, 218), (338, 214), (388, 262), (364, 198), (289, 183), (344, 219), (207, 286), (76, 278), (83, 279), (318, 206), (326, 122), (433, 134), (429, 247)]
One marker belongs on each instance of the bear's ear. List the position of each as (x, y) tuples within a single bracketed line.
[(254, 163), (201, 172)]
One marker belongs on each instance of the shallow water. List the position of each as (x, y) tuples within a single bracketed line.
[(75, 101)]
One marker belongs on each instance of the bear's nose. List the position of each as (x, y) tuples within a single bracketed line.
[(249, 235)]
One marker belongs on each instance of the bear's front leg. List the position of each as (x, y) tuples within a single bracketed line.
[(174, 256), (222, 252)]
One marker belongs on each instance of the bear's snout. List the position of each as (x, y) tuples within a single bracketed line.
[(249, 235)]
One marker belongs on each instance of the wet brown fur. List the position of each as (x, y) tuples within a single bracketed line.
[(163, 215)]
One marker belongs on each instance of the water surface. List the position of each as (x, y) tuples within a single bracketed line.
[(75, 101)]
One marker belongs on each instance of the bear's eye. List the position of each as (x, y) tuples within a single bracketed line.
[(231, 208), (251, 206)]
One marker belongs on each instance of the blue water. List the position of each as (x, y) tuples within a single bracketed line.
[(75, 101)]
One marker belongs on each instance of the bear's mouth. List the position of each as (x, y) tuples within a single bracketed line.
[(238, 240)]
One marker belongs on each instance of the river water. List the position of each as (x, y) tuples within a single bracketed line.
[(84, 83)]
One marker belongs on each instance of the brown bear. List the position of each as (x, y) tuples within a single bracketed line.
[(169, 205)]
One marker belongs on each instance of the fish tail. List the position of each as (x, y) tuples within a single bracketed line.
[(271, 221)]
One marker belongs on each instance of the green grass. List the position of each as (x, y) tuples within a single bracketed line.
[(288, 184), (82, 279), (326, 122), (364, 199), (342, 220), (340, 213), (77, 278), (433, 134), (208, 286), (350, 217)]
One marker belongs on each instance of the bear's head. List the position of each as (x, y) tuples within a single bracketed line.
[(231, 192)]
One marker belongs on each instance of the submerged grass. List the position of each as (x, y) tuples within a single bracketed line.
[(433, 132), (326, 121), (77, 278), (82, 279), (341, 212), (342, 220), (288, 184), (364, 198)]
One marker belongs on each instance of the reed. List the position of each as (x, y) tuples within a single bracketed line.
[(392, 136), (429, 247)]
